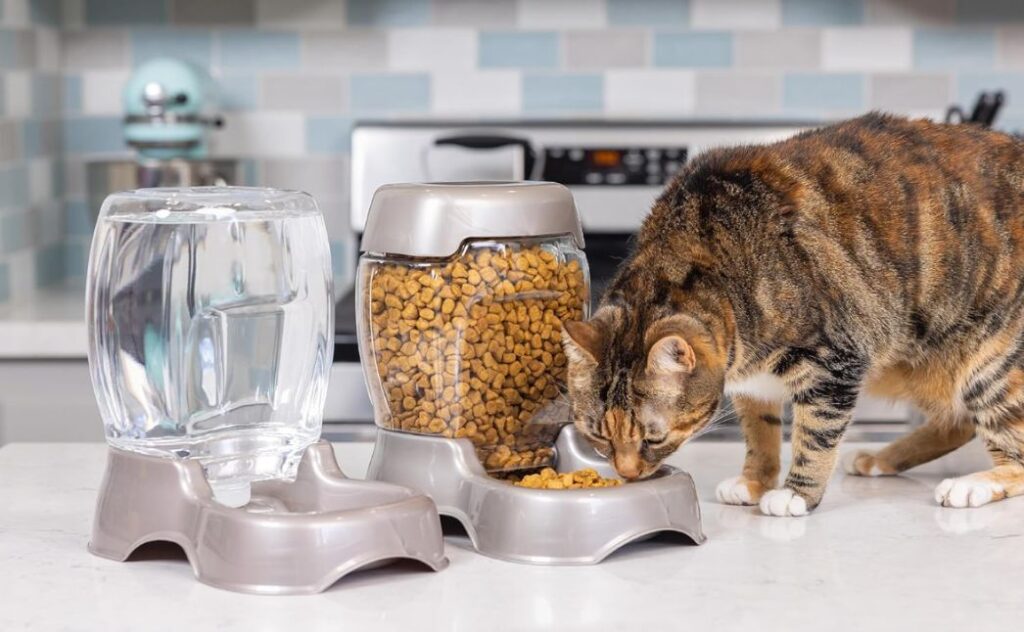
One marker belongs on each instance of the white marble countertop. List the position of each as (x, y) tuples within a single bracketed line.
[(877, 555), (51, 324)]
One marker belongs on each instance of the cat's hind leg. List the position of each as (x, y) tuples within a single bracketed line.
[(761, 422), (1005, 442), (936, 437)]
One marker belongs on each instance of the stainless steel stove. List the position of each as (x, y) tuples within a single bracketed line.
[(615, 170)]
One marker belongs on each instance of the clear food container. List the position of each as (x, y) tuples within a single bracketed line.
[(463, 289), (211, 327)]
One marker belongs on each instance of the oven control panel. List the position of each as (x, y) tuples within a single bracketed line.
[(612, 166)]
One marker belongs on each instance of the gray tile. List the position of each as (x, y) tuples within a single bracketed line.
[(10, 141), (909, 12), (324, 178), (354, 49), (605, 49), (1010, 47), (725, 93), (301, 14), (94, 49), (906, 91), (475, 13), (19, 49), (797, 49), (200, 12), (303, 92)]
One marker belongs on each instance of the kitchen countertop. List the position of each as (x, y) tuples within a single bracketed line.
[(49, 325), (878, 554)]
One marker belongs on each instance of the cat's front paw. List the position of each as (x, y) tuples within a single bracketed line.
[(738, 490), (968, 491), (866, 464), (783, 502)]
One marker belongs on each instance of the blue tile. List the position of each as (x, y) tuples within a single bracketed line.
[(77, 218), (339, 254), (5, 281), (14, 187), (76, 258), (649, 12), (510, 49), (72, 97), (259, 49), (388, 12), (120, 12), (545, 93), (50, 265), (194, 46), (822, 12), (93, 134), (410, 92), (8, 49), (989, 11), (46, 12), (46, 94), (37, 138), (970, 84), (708, 49), (328, 135), (250, 172), (14, 232), (817, 91), (236, 92), (954, 49)]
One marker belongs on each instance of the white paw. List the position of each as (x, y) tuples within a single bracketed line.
[(967, 491), (783, 502), (850, 465), (734, 491)]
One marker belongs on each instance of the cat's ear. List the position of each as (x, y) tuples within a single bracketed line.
[(671, 355), (583, 340)]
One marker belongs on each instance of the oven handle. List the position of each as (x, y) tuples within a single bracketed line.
[(494, 141)]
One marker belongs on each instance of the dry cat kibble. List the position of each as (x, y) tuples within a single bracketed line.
[(580, 479), (471, 347)]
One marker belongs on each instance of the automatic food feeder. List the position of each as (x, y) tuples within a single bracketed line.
[(210, 313), (461, 292)]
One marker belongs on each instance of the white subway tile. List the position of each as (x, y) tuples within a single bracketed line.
[(1010, 47), (477, 93), (101, 91), (19, 93), (730, 14), (551, 14), (638, 92), (94, 48), (432, 49), (47, 50), (21, 268), (867, 49), (260, 135)]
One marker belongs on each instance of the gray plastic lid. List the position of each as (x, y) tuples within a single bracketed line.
[(432, 219)]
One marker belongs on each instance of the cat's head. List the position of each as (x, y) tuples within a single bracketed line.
[(638, 392)]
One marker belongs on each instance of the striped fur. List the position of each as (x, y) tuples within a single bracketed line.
[(879, 254)]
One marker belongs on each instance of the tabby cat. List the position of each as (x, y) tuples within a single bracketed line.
[(878, 255)]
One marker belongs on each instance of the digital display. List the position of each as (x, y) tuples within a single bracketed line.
[(606, 157)]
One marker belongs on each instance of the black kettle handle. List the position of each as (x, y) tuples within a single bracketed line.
[(494, 141)]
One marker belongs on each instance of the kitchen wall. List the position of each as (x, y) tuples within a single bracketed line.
[(295, 74), (31, 176)]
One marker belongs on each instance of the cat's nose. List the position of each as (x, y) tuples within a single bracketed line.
[(628, 468)]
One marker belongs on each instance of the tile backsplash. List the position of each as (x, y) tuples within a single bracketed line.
[(293, 75)]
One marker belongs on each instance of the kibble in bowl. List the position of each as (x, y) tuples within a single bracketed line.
[(548, 478)]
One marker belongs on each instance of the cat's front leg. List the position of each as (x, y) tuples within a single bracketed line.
[(761, 422), (822, 410)]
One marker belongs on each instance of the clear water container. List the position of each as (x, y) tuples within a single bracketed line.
[(210, 317)]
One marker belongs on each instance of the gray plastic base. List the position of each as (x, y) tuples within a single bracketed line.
[(292, 537), (538, 526)]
